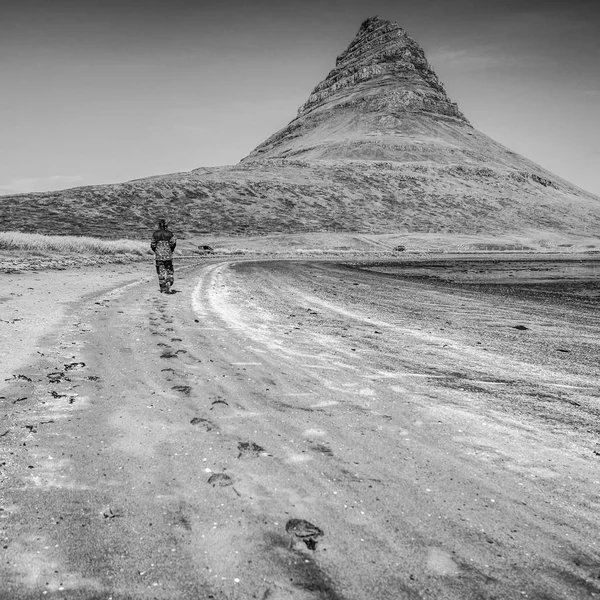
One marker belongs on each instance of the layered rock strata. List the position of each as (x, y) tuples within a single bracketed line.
[(385, 60), (381, 91)]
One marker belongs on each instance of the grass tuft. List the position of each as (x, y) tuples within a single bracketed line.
[(36, 242)]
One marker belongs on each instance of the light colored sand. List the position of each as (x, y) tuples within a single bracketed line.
[(33, 304), (411, 422)]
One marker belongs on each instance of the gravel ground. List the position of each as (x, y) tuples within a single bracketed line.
[(302, 429)]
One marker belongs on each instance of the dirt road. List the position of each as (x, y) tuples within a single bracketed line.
[(442, 440)]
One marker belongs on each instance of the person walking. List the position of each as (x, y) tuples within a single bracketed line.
[(163, 244)]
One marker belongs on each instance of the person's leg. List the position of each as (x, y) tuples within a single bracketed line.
[(162, 275), (170, 273)]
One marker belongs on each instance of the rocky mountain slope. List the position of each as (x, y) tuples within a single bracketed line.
[(377, 147), (381, 94)]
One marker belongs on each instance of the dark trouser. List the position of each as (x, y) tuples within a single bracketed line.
[(166, 273)]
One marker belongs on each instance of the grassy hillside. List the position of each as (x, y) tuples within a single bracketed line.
[(287, 196)]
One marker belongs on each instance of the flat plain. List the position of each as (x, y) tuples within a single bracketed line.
[(434, 418)]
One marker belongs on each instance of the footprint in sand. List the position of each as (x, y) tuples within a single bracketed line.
[(204, 423), (184, 389), (323, 449), (19, 377), (57, 377), (302, 530), (74, 365), (251, 450), (219, 402), (220, 479)]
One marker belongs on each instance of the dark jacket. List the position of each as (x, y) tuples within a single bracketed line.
[(163, 243)]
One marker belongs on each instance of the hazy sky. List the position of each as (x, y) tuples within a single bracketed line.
[(105, 91)]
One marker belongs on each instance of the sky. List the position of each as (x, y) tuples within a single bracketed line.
[(108, 91)]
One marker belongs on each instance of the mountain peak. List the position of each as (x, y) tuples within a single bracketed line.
[(373, 23), (384, 58), (380, 79)]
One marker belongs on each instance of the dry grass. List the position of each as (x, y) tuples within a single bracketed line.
[(35, 242), (347, 243)]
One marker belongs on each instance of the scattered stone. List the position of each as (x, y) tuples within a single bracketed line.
[(55, 394), (305, 532), (543, 181)]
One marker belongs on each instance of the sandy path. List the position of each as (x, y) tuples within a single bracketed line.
[(33, 304), (160, 450)]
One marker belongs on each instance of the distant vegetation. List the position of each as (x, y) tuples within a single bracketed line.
[(36, 242)]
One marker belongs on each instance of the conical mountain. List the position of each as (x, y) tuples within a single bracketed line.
[(378, 147), (381, 93), (384, 102)]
